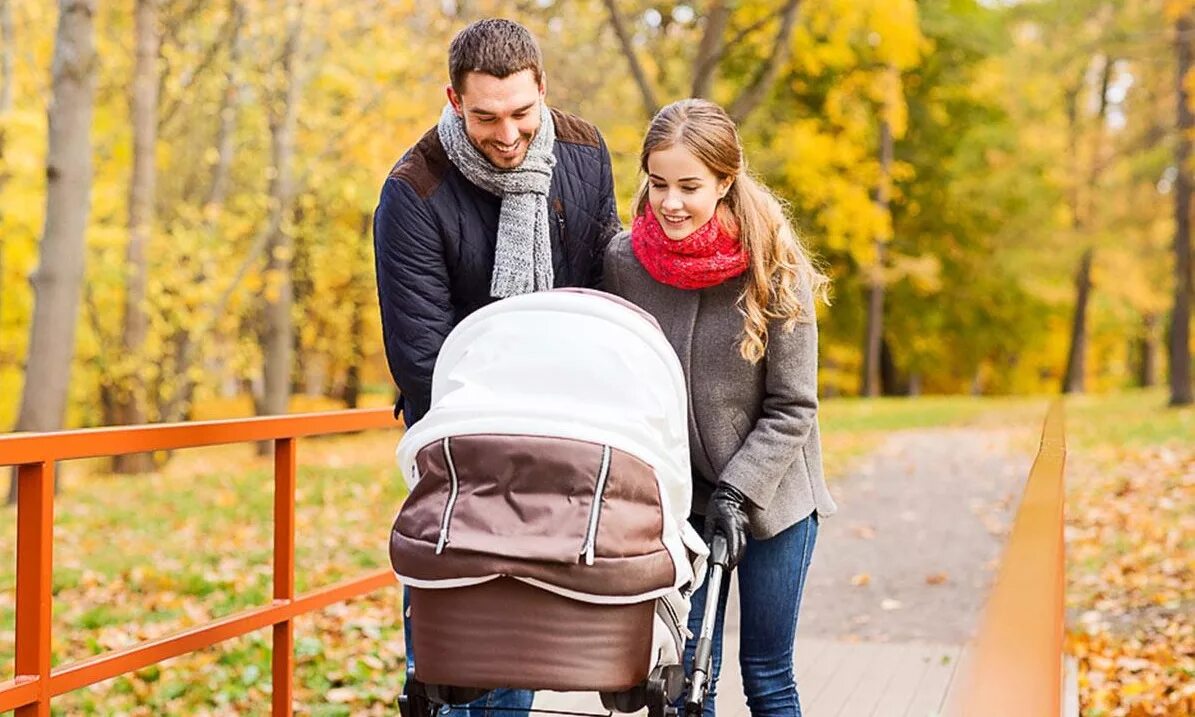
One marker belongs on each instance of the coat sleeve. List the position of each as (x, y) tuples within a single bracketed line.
[(607, 213), (413, 292), (610, 283), (788, 412)]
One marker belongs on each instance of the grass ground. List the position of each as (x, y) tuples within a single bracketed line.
[(138, 557)]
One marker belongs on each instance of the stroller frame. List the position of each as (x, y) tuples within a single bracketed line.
[(658, 693)]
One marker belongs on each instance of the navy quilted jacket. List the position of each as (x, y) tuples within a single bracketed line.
[(434, 234)]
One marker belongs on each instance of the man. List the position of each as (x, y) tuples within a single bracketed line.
[(504, 196)]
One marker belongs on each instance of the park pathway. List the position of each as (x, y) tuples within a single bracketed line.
[(899, 575)]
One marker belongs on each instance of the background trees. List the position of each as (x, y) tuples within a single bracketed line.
[(999, 192)]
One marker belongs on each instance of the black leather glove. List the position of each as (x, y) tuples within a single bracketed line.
[(726, 514)]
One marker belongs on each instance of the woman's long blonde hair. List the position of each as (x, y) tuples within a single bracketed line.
[(781, 270)]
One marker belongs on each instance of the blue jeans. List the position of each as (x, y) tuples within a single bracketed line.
[(771, 579), (502, 699)]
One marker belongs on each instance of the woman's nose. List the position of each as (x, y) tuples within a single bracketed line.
[(671, 201)]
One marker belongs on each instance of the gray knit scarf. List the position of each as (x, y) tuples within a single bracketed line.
[(523, 255)]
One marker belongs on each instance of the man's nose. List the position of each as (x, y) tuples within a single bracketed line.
[(507, 133)]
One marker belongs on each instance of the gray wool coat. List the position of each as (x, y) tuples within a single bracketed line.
[(752, 425)]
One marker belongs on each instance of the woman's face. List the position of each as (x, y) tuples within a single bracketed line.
[(682, 190)]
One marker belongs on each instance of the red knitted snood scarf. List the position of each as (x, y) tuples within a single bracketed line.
[(707, 257)]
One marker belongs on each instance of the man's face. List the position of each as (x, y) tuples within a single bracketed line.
[(501, 115)]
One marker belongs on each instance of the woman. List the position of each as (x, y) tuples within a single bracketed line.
[(713, 257)]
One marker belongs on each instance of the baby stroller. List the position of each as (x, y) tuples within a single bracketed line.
[(545, 541)]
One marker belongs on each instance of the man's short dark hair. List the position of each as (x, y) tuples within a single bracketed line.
[(496, 47)]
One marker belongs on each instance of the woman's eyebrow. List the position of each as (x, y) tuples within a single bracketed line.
[(682, 179)]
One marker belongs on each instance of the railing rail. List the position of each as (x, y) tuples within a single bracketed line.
[(1015, 665), (34, 455)]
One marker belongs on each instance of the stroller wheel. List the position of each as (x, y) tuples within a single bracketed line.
[(657, 693), (413, 701), (664, 687)]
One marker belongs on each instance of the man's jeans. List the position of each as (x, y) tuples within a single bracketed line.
[(507, 703), (771, 579)]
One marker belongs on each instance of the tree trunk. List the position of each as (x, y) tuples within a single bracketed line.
[(1074, 378), (59, 277), (130, 384), (6, 64), (875, 295), (277, 331), (892, 383), (6, 55), (1074, 381), (1147, 352), (361, 301), (1180, 315)]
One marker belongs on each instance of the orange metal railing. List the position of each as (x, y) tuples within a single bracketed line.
[(29, 693), (1015, 664)]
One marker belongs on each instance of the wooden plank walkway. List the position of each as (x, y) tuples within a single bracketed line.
[(835, 679)]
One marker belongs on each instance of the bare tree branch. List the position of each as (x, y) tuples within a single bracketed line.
[(734, 40), (756, 90), (710, 48), (650, 104), (171, 24), (228, 109), (209, 56)]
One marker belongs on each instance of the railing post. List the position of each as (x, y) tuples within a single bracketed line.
[(35, 552), (284, 573)]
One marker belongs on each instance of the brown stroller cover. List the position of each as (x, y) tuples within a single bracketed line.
[(545, 540)]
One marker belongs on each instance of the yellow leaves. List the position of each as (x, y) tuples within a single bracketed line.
[(836, 34), (900, 42), (923, 271), (1131, 515), (1172, 10)]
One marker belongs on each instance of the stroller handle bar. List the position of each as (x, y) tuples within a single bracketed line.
[(703, 654)]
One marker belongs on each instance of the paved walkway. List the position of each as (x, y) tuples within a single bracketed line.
[(899, 576)]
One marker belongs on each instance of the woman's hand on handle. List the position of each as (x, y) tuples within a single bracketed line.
[(726, 514)]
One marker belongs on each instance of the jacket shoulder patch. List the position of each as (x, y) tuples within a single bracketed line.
[(424, 166), (574, 130)]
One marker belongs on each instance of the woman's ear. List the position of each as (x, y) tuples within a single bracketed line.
[(724, 186)]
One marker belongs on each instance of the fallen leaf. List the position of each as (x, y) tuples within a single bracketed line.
[(863, 531)]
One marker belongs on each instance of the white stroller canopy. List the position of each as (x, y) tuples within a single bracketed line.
[(574, 364)]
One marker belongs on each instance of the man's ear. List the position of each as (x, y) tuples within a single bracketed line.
[(455, 100), (543, 85)]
